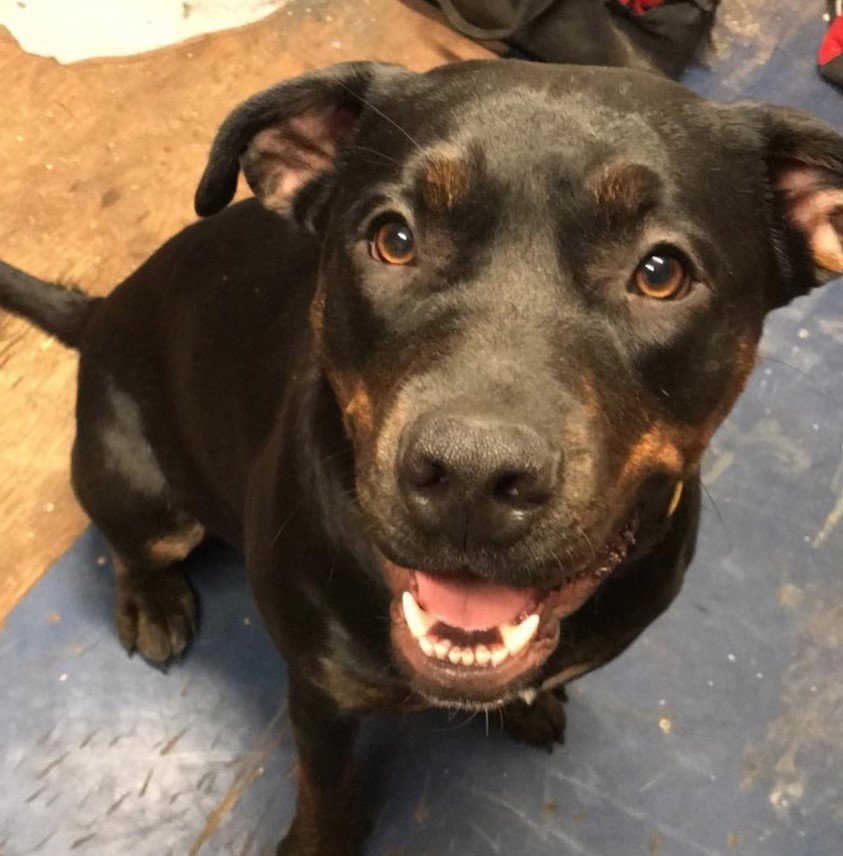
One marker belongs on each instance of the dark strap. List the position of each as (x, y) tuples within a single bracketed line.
[(660, 35), (526, 11)]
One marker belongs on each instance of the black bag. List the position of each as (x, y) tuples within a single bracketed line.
[(654, 34)]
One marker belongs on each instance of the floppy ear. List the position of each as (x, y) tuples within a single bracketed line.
[(805, 167), (288, 136)]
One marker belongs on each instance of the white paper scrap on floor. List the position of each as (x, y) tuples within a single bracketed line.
[(75, 30)]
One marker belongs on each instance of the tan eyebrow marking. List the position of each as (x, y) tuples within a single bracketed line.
[(445, 182), (625, 190)]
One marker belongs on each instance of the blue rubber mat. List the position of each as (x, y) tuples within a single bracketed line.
[(720, 732)]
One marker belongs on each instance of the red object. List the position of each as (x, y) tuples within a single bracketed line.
[(832, 45), (471, 605), (639, 7)]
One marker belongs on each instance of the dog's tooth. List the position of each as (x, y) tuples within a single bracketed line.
[(499, 654), (441, 647), (467, 657), (516, 636), (427, 646), (482, 655), (417, 619), (455, 655)]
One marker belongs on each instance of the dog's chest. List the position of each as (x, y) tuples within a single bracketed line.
[(356, 688)]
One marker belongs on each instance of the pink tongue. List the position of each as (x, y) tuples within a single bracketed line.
[(471, 605)]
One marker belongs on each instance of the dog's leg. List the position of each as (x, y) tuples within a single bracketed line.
[(328, 820), (537, 719), (155, 610), (120, 484)]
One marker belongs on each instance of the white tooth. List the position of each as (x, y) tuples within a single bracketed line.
[(426, 646), (441, 648), (455, 655), (482, 655), (467, 657), (418, 620), (499, 654), (516, 636)]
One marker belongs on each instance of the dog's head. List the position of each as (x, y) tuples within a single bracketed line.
[(541, 290)]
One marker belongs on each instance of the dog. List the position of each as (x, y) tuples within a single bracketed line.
[(446, 381)]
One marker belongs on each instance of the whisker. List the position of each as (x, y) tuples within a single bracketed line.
[(457, 711), (587, 538), (385, 157), (283, 526), (337, 454), (816, 386), (380, 113), (719, 515), (557, 560)]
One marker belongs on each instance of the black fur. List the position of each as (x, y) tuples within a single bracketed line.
[(59, 310)]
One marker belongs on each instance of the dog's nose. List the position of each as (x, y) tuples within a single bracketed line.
[(476, 479)]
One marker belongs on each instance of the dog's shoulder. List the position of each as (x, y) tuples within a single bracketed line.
[(237, 270)]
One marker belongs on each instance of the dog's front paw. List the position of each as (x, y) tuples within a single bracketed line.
[(540, 722), (156, 615)]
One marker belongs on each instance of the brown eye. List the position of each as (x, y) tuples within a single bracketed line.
[(661, 276), (393, 243)]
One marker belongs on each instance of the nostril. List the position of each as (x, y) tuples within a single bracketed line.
[(423, 472), (516, 490), (509, 488), (521, 490)]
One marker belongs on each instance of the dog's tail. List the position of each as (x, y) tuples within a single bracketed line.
[(62, 312)]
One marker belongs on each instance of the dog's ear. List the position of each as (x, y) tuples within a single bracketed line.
[(286, 137), (805, 168)]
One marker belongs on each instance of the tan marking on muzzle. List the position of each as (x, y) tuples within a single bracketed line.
[(355, 401), (358, 411), (317, 313), (590, 396), (390, 429), (655, 450), (747, 359), (676, 449)]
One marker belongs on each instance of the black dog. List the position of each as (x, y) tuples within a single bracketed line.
[(454, 398)]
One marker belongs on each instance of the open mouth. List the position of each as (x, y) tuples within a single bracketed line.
[(470, 640)]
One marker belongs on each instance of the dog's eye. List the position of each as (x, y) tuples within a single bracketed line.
[(393, 242), (661, 276)]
